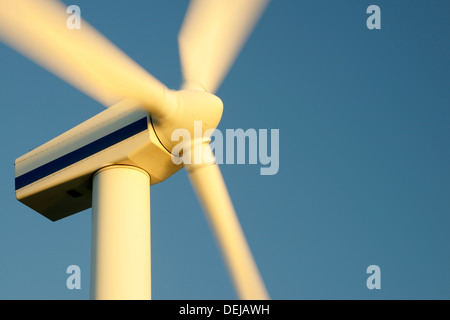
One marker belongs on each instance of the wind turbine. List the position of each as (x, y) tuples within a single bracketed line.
[(110, 161)]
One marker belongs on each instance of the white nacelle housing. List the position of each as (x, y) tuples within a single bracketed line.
[(55, 178)]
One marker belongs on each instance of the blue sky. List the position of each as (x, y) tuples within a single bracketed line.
[(364, 175)]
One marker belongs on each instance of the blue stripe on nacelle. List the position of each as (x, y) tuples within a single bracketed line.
[(81, 153)]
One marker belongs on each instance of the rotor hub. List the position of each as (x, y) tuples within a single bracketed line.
[(197, 114)]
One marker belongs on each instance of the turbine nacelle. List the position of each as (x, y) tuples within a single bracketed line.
[(55, 179)]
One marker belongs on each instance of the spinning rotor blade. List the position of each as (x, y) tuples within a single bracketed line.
[(212, 193), (211, 37), (82, 57)]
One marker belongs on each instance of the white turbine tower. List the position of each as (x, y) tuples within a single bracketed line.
[(110, 161)]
